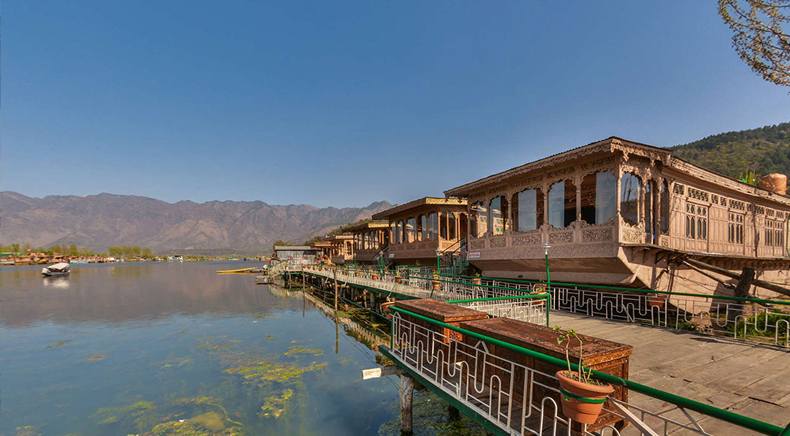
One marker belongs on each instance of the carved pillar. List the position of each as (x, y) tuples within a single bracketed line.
[(577, 237)]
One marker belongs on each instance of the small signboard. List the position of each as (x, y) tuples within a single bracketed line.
[(392, 255), (473, 255)]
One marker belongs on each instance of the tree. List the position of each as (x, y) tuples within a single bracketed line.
[(761, 35), (115, 251), (147, 253)]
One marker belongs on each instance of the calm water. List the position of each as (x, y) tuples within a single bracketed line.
[(117, 350)]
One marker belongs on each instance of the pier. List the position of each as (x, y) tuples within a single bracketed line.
[(720, 371)]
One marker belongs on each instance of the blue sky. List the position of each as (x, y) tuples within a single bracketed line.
[(344, 103)]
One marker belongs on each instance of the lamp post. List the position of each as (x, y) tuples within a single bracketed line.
[(546, 247), (438, 256)]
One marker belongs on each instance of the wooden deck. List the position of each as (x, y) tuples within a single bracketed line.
[(745, 378)]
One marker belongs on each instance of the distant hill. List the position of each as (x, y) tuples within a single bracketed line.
[(215, 227), (764, 150)]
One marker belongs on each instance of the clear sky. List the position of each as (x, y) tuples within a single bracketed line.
[(344, 103)]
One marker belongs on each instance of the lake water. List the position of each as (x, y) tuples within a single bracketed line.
[(178, 349)]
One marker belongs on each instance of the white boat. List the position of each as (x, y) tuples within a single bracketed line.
[(58, 269)]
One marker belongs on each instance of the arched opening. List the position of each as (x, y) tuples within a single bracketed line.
[(630, 191)]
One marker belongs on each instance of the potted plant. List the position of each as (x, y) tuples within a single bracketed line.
[(398, 279), (582, 396), (436, 284), (374, 276), (477, 279), (656, 300)]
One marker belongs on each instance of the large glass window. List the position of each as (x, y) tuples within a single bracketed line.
[(562, 204), (599, 196), (527, 210), (433, 226), (479, 219), (630, 191), (411, 226), (422, 228), (497, 215), (664, 208)]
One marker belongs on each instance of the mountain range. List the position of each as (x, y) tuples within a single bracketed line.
[(214, 227), (227, 227)]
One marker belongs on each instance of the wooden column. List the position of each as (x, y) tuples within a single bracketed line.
[(335, 271), (406, 397)]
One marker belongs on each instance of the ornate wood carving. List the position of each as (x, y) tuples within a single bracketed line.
[(534, 238)]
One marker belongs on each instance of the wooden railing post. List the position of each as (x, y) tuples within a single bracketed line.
[(335, 271)]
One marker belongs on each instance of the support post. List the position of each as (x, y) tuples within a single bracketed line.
[(406, 397), (454, 414), (303, 286), (741, 291), (335, 271)]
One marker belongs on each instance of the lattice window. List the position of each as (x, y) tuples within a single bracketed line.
[(737, 205), (698, 195), (678, 189), (696, 221), (735, 233), (774, 233)]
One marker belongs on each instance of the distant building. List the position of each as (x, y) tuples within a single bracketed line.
[(370, 238), (623, 213), (294, 252)]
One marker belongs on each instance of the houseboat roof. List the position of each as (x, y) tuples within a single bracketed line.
[(293, 248), (417, 203), (610, 145), (360, 227)]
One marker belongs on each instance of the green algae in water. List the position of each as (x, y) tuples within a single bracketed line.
[(431, 418), (142, 415), (298, 351), (96, 357), (268, 371), (58, 344), (276, 405), (191, 428)]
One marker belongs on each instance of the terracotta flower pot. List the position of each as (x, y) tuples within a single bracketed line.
[(656, 300), (582, 402), (398, 279), (375, 276), (436, 284), (385, 309), (356, 274), (476, 281)]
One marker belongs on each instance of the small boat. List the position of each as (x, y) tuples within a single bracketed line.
[(58, 269)]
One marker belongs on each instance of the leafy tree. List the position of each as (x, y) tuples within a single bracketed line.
[(115, 251), (761, 35), (73, 250), (55, 249), (147, 253)]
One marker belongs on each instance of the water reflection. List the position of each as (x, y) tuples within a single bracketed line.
[(57, 282), (123, 293)]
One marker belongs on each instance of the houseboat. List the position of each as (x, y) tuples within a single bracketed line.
[(424, 229), (622, 213)]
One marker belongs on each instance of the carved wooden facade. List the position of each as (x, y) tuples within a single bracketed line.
[(418, 228), (659, 203), (369, 238)]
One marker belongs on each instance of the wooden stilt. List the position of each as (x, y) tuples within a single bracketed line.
[(335, 291), (406, 397), (453, 413)]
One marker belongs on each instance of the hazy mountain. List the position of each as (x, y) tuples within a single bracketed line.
[(763, 150), (100, 221)]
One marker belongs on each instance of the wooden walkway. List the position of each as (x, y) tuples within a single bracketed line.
[(745, 378)]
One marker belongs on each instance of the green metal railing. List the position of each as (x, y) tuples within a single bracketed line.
[(706, 409)]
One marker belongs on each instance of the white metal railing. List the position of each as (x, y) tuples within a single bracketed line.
[(757, 321), (519, 399)]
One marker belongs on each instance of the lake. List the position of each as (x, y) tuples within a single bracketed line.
[(174, 348)]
